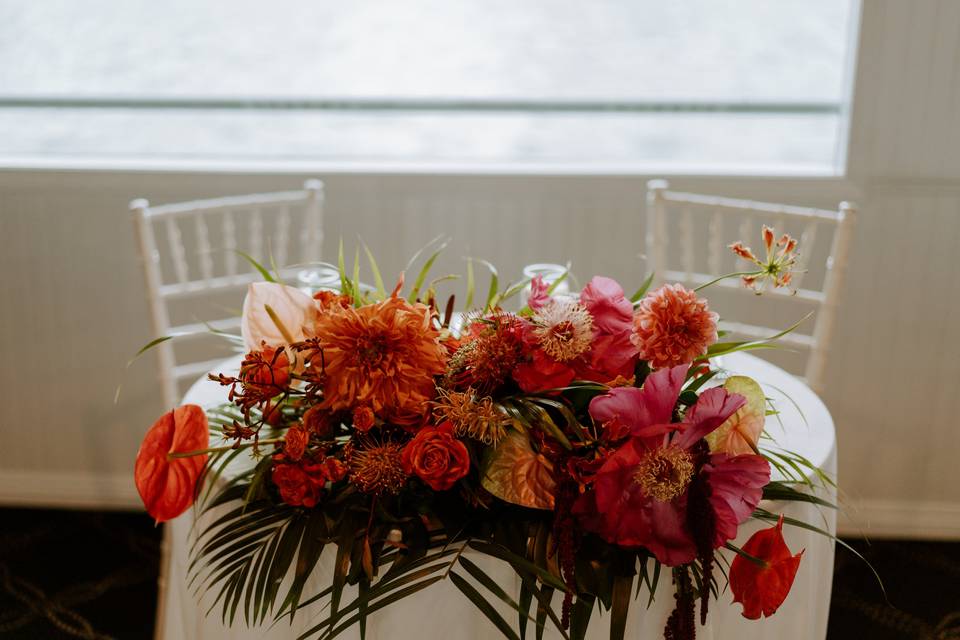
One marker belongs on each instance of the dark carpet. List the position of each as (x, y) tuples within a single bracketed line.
[(90, 575)]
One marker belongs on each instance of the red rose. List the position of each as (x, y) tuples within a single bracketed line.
[(295, 442), (436, 457), (363, 419), (542, 373), (762, 589), (318, 421), (301, 484)]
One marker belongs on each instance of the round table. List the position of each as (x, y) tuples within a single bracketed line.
[(804, 426)]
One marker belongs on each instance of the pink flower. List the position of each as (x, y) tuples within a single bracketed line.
[(672, 326), (612, 353), (538, 293), (606, 302), (639, 495)]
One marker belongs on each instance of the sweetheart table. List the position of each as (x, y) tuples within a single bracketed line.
[(803, 426)]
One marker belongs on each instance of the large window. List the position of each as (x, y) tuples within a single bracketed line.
[(698, 85)]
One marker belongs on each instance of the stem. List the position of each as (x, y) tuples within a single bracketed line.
[(736, 274), (230, 447)]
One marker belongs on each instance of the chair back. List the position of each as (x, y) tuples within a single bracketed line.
[(687, 240), (192, 251)]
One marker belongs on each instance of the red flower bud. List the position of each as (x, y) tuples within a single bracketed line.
[(762, 589)]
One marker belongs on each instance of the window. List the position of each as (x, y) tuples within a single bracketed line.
[(704, 85)]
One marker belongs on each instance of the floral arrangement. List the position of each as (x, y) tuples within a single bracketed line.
[(586, 441)]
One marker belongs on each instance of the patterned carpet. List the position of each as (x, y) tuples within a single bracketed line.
[(71, 574)]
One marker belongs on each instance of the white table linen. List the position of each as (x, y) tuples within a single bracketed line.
[(804, 426)]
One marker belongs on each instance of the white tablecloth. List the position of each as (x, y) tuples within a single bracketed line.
[(804, 426)]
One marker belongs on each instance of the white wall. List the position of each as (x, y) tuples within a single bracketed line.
[(72, 310)]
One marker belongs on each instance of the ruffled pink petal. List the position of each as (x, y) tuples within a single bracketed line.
[(711, 410), (610, 356), (640, 408), (736, 488), (670, 540), (604, 299)]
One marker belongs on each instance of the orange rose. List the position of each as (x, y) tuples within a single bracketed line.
[(363, 419), (318, 421), (436, 457), (302, 484), (295, 443)]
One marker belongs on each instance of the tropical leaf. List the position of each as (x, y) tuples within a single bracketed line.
[(491, 300), (514, 472), (471, 284), (782, 491), (485, 607), (256, 265), (580, 616), (723, 348), (642, 291), (622, 586), (377, 278)]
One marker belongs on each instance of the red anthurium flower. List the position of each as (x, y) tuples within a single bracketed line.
[(167, 485), (762, 589)]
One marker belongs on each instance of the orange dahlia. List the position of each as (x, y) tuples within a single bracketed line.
[(672, 326), (383, 356)]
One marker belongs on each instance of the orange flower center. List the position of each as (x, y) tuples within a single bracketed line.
[(370, 350), (664, 473)]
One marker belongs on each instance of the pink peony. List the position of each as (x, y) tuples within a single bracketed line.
[(611, 354), (639, 495), (672, 326)]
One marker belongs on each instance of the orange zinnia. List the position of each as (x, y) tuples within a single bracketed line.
[(383, 356)]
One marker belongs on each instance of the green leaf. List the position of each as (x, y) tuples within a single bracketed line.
[(642, 291), (422, 276), (471, 284), (514, 289), (340, 568), (256, 265), (311, 547), (580, 616), (781, 491), (380, 589), (345, 287), (485, 580), (544, 607), (388, 600), (377, 279), (481, 603), (723, 348), (355, 281), (524, 602), (622, 586), (503, 553), (494, 285), (740, 552)]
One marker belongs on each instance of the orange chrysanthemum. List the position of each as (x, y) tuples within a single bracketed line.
[(672, 326), (383, 356)]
